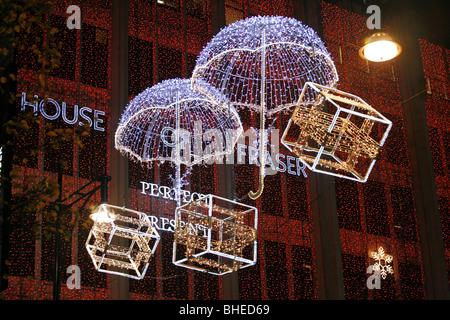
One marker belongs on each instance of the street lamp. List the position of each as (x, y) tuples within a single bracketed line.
[(102, 215), (80, 194), (380, 47)]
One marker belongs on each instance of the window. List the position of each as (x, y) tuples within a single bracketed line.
[(175, 278), (169, 3), (348, 204), (248, 277), (245, 177), (93, 154), (446, 140), (438, 85), (395, 146), (25, 58), (375, 205), (271, 200), (166, 173), (354, 270), (140, 65), (22, 243), (298, 204), (139, 172), (24, 143), (403, 212), (202, 179), (302, 272), (68, 38), (411, 282), (436, 151), (276, 268), (206, 287), (149, 284), (94, 56), (59, 151), (106, 4), (196, 8), (169, 63)]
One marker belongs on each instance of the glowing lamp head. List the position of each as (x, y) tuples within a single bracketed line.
[(102, 215), (379, 47)]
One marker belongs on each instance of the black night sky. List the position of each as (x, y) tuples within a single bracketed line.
[(430, 18)]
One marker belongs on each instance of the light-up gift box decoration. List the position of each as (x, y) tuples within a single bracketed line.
[(121, 241), (215, 235), (339, 134)]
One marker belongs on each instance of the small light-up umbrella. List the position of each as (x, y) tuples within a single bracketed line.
[(172, 122)]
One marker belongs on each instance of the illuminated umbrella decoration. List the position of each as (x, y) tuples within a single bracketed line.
[(263, 63), (205, 126), (149, 125)]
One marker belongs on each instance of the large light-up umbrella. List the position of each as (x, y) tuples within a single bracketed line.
[(262, 63)]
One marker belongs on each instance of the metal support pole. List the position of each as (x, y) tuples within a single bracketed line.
[(104, 188), (118, 286), (57, 255)]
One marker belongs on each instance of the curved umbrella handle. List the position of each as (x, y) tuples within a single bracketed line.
[(262, 160), (257, 194)]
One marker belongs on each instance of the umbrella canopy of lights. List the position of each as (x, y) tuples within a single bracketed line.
[(262, 63), (205, 126)]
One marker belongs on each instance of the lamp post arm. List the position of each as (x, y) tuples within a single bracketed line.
[(103, 187)]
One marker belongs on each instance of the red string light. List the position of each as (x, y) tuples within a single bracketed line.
[(378, 213)]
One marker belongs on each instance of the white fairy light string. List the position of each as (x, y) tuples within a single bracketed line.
[(262, 63), (172, 122)]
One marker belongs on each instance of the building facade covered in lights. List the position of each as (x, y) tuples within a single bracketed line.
[(317, 234)]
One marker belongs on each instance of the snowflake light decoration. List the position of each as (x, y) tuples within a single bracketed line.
[(382, 262), (172, 122)]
